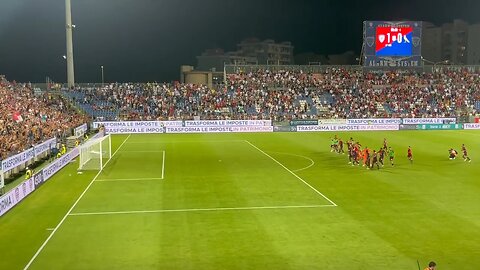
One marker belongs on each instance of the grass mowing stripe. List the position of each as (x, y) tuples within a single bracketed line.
[(70, 210), (201, 210), (294, 174)]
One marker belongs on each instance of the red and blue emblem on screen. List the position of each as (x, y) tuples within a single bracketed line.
[(393, 41)]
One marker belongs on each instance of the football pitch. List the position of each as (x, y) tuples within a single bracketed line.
[(255, 201)]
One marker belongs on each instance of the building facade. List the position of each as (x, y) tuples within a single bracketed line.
[(267, 52), (473, 46), (215, 59), (209, 78), (249, 52), (457, 42), (431, 42)]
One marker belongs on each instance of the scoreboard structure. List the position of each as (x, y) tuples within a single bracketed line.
[(392, 44)]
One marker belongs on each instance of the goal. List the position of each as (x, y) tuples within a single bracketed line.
[(95, 153)]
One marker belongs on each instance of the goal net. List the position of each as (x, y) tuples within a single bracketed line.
[(95, 153)]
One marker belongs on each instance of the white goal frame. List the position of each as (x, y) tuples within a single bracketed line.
[(86, 151)]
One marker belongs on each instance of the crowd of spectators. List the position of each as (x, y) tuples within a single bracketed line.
[(345, 93), (27, 118), (283, 95), (154, 101)]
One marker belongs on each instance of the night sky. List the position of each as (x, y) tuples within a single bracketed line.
[(148, 40)]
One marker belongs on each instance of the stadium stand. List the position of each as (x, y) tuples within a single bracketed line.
[(286, 94), (27, 118), (280, 95)]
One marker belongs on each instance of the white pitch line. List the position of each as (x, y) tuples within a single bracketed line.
[(70, 210), (140, 151), (294, 174), (163, 165), (295, 155), (199, 141), (127, 179), (199, 210)]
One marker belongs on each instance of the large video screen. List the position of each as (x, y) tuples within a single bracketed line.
[(393, 41), (392, 44)]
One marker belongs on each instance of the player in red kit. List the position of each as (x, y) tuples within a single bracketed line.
[(374, 160), (357, 153), (340, 146), (410, 154), (465, 154), (452, 154), (365, 154), (381, 155)]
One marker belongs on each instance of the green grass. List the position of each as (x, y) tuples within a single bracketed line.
[(384, 219)]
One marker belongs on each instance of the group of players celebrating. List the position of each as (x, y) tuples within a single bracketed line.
[(369, 158), (453, 154)]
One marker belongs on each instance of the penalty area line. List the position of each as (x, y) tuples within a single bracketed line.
[(142, 151), (199, 210), (70, 210), (178, 142), (127, 179), (292, 173)]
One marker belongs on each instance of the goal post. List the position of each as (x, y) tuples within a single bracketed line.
[(95, 153)]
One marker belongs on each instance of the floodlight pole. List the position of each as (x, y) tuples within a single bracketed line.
[(69, 33)]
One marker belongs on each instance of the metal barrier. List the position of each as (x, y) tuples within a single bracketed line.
[(17, 163)]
